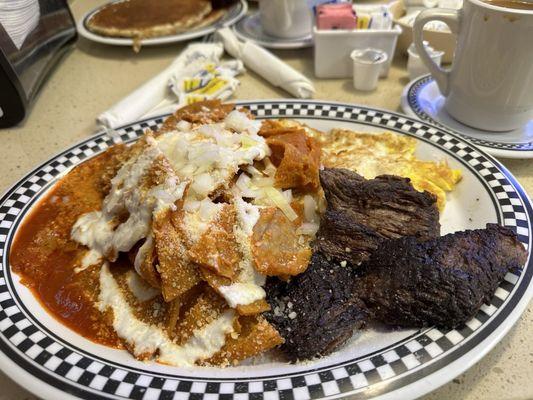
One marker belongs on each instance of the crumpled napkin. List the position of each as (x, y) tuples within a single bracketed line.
[(196, 74), (206, 80), (267, 65)]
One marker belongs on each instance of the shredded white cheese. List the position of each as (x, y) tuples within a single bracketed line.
[(99, 231), (146, 339), (90, 258), (247, 215), (241, 293)]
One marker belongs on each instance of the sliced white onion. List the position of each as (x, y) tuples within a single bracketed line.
[(281, 202), (210, 130), (248, 142), (263, 182), (183, 126), (310, 209), (270, 169), (203, 184), (253, 171), (188, 170), (288, 195), (244, 185), (208, 156), (191, 205), (308, 228), (239, 121)]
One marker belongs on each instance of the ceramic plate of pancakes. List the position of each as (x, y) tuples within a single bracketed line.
[(273, 249), (139, 23)]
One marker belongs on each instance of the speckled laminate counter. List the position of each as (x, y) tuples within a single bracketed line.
[(92, 77)]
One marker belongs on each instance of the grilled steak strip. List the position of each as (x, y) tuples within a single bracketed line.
[(362, 213), (440, 282), (316, 311)]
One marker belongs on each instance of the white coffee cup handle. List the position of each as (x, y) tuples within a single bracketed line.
[(449, 17)]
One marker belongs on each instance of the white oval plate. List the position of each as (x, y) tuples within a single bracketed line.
[(421, 98), (53, 362), (233, 15)]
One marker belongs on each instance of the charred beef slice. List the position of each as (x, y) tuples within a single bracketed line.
[(409, 277), (441, 282), (316, 311), (362, 213)]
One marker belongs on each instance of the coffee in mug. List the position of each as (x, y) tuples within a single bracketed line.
[(519, 5), (490, 84)]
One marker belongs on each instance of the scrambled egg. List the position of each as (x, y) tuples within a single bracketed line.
[(385, 153)]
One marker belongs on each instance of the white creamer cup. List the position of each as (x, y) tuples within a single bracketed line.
[(367, 65)]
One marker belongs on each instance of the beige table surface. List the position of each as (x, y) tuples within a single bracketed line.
[(93, 77)]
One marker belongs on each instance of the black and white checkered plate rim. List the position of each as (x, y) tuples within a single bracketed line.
[(27, 348), (414, 104)]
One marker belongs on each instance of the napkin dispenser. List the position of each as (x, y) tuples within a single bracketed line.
[(33, 35)]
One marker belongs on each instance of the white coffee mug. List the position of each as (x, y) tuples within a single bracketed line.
[(288, 19), (490, 84)]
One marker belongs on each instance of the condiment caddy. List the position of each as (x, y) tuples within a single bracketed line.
[(343, 28)]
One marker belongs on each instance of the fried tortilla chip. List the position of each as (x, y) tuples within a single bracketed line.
[(217, 248), (257, 307), (203, 112), (256, 336), (180, 306), (273, 127), (276, 247), (207, 307), (148, 310), (214, 280), (296, 156), (178, 273), (173, 313), (145, 259)]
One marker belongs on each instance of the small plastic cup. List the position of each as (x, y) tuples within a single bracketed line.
[(367, 65)]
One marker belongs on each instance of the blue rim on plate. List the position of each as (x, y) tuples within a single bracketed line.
[(236, 12), (411, 105), (418, 363)]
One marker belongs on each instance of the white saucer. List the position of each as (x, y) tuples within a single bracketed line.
[(249, 28), (421, 98)]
